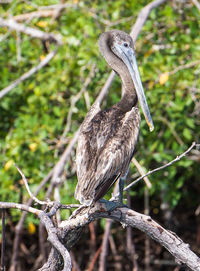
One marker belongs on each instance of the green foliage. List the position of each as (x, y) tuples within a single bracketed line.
[(34, 114)]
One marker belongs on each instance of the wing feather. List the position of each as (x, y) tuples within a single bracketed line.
[(104, 152)]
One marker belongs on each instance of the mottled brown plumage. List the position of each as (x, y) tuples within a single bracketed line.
[(108, 137)]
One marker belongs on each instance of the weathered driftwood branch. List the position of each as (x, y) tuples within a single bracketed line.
[(128, 217), (68, 232)]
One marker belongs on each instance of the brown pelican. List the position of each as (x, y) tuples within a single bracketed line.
[(108, 137)]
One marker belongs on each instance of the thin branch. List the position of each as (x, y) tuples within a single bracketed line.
[(23, 207), (142, 17), (51, 229), (130, 246), (141, 171), (171, 128), (75, 99), (29, 191), (18, 227), (35, 14), (58, 168), (33, 32), (26, 75), (94, 259), (185, 66), (196, 3), (147, 257), (3, 241), (162, 167), (104, 246)]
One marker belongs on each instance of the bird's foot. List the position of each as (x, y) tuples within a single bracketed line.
[(112, 205)]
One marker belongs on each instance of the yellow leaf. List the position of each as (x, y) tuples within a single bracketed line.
[(148, 53), (8, 164), (12, 187), (163, 78), (42, 57), (33, 146), (150, 84), (31, 228), (42, 24)]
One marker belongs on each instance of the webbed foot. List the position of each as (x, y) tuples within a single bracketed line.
[(112, 205)]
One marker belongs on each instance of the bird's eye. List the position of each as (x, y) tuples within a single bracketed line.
[(125, 44)]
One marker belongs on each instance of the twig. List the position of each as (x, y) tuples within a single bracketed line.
[(162, 167), (26, 75), (58, 168), (51, 230), (3, 241), (104, 251), (147, 241), (130, 247), (75, 99), (33, 32), (171, 128), (75, 265), (185, 66), (58, 6), (94, 259), (141, 171), (142, 17), (18, 46), (196, 3), (23, 207), (18, 227), (29, 191), (53, 239), (35, 14)]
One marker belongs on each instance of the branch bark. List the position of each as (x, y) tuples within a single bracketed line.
[(128, 217), (69, 230), (33, 32)]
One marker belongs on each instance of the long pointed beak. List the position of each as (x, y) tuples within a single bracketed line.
[(128, 57)]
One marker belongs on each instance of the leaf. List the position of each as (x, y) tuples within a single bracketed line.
[(187, 133), (33, 146), (42, 23), (163, 78), (31, 228), (8, 164), (42, 57)]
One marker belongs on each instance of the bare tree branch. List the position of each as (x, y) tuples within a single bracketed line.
[(126, 216), (26, 75), (3, 240), (104, 246), (142, 17), (22, 207), (33, 32), (162, 167), (29, 191), (53, 239), (196, 3)]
